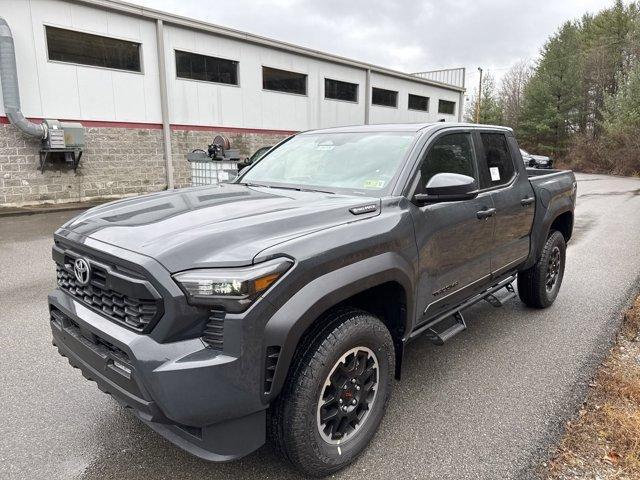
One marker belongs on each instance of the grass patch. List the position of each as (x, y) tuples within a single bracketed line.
[(603, 442)]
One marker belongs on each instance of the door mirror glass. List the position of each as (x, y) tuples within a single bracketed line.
[(448, 187)]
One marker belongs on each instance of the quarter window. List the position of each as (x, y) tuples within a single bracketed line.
[(93, 50), (193, 66), (337, 90), (284, 81), (386, 98), (451, 153), (498, 165), (446, 107), (417, 102)]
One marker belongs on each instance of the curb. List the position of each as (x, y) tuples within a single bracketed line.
[(52, 208)]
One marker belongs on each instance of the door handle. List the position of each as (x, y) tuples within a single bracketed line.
[(527, 201), (484, 214)]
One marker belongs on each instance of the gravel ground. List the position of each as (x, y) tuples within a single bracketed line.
[(488, 404)]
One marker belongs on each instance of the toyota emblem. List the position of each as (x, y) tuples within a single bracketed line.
[(82, 270)]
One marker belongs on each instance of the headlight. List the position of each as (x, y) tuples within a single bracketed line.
[(231, 288)]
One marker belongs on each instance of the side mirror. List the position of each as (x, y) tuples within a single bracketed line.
[(448, 187)]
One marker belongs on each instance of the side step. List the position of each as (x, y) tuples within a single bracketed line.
[(439, 338), (500, 301)]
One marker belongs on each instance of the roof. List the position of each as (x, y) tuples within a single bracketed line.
[(195, 24), (404, 127)]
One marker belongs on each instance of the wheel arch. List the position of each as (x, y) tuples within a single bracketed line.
[(380, 285), (561, 220), (564, 224)]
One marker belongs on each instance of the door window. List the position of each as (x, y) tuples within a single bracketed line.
[(451, 153), (498, 165)]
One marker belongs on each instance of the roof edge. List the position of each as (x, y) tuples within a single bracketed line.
[(194, 24)]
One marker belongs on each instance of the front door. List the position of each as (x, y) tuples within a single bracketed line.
[(454, 244)]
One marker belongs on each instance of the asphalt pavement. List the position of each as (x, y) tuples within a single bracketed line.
[(487, 405)]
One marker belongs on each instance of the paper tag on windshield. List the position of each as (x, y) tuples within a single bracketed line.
[(374, 184), (495, 174)]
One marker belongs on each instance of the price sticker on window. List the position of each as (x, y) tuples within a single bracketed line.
[(495, 174)]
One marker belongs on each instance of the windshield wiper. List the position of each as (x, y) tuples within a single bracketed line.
[(248, 184), (284, 187), (301, 189)]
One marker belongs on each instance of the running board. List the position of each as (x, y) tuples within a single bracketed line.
[(501, 301), (457, 309), (438, 338)]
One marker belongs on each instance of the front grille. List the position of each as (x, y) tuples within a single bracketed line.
[(135, 313), (214, 331)]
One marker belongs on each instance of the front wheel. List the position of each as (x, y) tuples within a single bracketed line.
[(538, 286), (336, 395)]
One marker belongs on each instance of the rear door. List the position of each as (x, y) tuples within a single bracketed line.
[(512, 197), (454, 245)]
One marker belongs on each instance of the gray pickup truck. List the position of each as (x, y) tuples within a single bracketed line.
[(279, 306)]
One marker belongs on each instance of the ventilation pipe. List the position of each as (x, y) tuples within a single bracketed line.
[(10, 91)]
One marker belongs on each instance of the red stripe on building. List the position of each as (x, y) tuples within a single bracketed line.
[(158, 126)]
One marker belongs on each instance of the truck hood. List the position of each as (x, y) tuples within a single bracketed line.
[(215, 226)]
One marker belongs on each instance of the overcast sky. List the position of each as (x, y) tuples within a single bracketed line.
[(406, 35)]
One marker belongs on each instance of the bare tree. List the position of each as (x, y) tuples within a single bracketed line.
[(490, 108), (512, 92)]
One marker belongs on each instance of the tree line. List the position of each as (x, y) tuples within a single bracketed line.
[(580, 102)]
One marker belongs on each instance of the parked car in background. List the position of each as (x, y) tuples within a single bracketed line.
[(536, 161), (257, 155), (279, 306)]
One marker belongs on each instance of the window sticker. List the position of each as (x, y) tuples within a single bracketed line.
[(374, 184), (495, 174)]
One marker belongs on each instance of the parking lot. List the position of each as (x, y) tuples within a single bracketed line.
[(488, 404)]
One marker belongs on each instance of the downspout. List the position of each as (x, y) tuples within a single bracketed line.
[(10, 90), (164, 105), (367, 96), (461, 104)]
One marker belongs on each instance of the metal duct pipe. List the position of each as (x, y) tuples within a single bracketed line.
[(10, 90)]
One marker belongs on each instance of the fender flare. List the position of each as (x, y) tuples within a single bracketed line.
[(287, 326), (538, 241)]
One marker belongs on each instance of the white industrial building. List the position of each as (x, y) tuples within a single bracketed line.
[(112, 65)]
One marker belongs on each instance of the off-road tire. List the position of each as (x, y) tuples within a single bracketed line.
[(293, 427), (533, 282)]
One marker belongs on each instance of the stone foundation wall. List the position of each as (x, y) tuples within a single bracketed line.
[(116, 162)]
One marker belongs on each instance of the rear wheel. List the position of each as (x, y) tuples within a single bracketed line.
[(336, 395), (539, 285)]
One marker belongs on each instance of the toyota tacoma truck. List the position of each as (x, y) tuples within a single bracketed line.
[(278, 306)]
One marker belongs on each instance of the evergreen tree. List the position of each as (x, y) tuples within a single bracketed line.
[(552, 99)]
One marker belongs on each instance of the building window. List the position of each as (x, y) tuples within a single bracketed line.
[(386, 98), (337, 90), (284, 81), (209, 69), (447, 107), (417, 102), (94, 50)]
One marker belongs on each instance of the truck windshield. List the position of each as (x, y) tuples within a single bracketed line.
[(361, 162)]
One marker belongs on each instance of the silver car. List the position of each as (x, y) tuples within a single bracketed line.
[(536, 161)]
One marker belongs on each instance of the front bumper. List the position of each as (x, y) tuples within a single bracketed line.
[(190, 394)]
